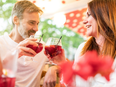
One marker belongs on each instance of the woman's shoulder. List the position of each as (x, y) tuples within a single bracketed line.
[(82, 45), (78, 51)]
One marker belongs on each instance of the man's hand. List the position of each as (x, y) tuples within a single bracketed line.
[(24, 50), (50, 77)]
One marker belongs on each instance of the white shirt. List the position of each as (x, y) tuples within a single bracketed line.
[(98, 80), (28, 72)]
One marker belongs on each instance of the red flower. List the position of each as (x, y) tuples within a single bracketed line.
[(83, 69), (67, 72), (106, 66), (89, 65)]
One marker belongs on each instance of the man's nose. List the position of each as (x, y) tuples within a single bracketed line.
[(35, 28)]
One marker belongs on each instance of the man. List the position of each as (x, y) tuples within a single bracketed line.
[(25, 18)]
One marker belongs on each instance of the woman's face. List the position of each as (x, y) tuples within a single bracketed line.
[(90, 24)]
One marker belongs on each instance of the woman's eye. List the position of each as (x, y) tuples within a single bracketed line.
[(88, 14)]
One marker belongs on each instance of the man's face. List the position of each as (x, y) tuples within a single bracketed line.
[(29, 24)]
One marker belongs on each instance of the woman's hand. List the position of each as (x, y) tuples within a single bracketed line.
[(58, 59)]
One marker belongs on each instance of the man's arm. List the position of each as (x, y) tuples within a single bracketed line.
[(10, 58), (50, 77)]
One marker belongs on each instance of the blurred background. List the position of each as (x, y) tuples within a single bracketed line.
[(60, 18)]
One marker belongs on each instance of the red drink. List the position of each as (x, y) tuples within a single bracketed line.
[(38, 48), (53, 50), (7, 82)]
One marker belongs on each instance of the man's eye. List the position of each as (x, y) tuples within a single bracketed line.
[(32, 22), (37, 23)]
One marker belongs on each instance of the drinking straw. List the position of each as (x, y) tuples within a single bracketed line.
[(59, 40), (41, 37)]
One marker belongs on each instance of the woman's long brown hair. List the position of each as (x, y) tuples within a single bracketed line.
[(104, 12)]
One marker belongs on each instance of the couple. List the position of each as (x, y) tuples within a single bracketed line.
[(100, 23)]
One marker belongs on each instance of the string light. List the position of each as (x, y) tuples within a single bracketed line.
[(34, 1), (63, 2)]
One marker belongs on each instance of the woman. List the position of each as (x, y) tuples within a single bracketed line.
[(100, 23)]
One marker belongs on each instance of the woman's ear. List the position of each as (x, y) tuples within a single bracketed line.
[(16, 20)]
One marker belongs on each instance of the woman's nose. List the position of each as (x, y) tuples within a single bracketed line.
[(85, 21)]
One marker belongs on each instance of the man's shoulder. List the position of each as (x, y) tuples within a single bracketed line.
[(2, 38), (4, 41)]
